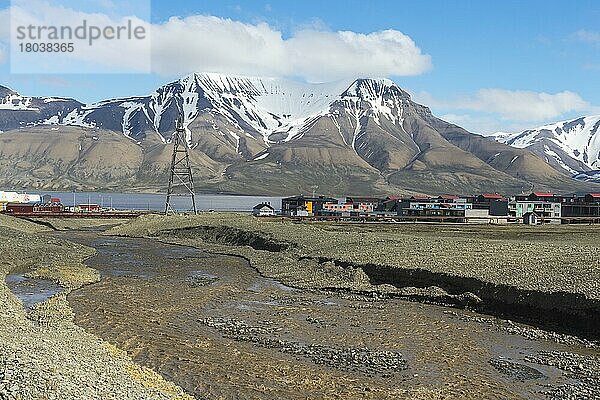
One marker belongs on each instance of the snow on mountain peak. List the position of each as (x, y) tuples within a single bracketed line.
[(268, 105), (572, 145), (11, 100), (270, 109), (382, 95), (370, 88)]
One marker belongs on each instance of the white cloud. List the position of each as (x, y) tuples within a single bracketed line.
[(524, 105), (587, 36), (330, 55), (491, 110), (207, 43), (484, 124), (518, 105)]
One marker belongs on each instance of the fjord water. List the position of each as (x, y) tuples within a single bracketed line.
[(156, 201)]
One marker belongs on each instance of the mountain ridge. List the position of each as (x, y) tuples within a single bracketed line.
[(263, 136), (570, 146)]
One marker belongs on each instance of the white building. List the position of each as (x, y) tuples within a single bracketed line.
[(263, 210)]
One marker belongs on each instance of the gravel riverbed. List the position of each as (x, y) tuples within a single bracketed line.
[(43, 354), (228, 306), (331, 334)]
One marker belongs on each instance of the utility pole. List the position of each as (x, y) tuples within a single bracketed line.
[(181, 169)]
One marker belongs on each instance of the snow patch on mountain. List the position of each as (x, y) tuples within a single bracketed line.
[(16, 102), (261, 157), (77, 117), (557, 159), (54, 99), (130, 109), (573, 143)]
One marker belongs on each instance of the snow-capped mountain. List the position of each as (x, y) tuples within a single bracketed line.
[(259, 135), (272, 109), (258, 106), (588, 176), (569, 146), (17, 111)]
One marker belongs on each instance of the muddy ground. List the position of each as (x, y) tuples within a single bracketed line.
[(213, 325), (43, 354)]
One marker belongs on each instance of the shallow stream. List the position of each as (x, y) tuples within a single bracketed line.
[(213, 325), (31, 291)]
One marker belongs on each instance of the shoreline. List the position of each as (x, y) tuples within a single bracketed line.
[(51, 356)]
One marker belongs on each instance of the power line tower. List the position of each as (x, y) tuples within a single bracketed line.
[(181, 169)]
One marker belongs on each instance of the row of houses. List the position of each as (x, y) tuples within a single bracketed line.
[(535, 208), (29, 204), (53, 206), (7, 198)]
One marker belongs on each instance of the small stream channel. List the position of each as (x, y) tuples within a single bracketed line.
[(214, 326)]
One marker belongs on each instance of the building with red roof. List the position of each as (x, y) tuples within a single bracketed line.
[(490, 196)]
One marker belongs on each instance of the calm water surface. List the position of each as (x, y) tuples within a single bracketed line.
[(156, 202)]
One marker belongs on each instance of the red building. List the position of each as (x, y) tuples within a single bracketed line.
[(19, 208), (29, 208)]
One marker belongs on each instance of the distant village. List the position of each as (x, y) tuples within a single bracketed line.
[(35, 205), (533, 209)]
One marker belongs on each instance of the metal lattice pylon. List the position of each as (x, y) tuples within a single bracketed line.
[(181, 169)]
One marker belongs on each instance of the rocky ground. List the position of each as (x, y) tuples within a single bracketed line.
[(219, 329), (547, 259), (219, 324), (43, 354)]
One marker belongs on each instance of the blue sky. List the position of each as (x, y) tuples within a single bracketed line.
[(502, 65)]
